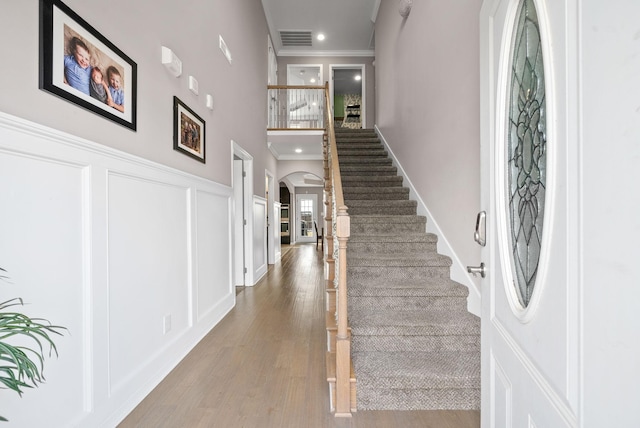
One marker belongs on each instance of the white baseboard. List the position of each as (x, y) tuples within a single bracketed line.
[(458, 270)]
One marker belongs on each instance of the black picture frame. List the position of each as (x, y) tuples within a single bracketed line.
[(65, 37), (188, 131)]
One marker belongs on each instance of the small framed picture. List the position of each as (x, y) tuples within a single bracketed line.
[(80, 65), (188, 131)]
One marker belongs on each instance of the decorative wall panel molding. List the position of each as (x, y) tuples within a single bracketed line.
[(130, 255)]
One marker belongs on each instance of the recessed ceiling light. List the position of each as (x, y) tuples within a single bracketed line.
[(312, 80), (298, 150), (358, 77), (320, 36)]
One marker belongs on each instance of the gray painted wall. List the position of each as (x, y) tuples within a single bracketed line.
[(139, 29), (427, 104)]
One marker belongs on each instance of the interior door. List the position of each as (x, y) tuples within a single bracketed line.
[(530, 349)]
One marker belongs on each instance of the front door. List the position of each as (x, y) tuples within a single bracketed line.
[(530, 323)]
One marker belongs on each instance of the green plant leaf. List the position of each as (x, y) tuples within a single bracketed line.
[(23, 366)]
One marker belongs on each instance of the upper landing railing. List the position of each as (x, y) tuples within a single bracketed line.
[(296, 107)]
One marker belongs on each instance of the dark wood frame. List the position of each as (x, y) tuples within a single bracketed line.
[(180, 109), (54, 17)]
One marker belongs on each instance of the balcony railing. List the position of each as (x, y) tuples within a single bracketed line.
[(296, 107)]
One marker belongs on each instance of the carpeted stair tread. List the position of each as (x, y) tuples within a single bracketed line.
[(381, 204), (398, 260), (394, 237), (400, 207), (385, 223), (407, 303), (354, 133), (359, 145), (365, 170), (371, 181), (356, 141), (420, 399), (371, 160), (359, 149), (469, 343), (362, 152), (420, 370), (426, 322), (417, 287), (386, 218), (349, 191), (346, 136)]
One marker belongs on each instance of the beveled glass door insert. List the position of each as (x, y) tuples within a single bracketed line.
[(526, 150)]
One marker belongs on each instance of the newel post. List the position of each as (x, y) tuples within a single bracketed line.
[(343, 342)]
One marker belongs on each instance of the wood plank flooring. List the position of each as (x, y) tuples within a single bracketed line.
[(263, 365)]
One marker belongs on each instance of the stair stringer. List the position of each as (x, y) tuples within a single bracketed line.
[(458, 270)]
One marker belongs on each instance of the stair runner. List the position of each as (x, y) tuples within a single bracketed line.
[(414, 344)]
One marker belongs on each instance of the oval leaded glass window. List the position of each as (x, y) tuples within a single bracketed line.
[(526, 156)]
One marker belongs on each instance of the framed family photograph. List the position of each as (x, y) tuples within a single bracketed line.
[(188, 131), (80, 65)]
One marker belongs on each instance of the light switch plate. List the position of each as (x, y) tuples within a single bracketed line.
[(210, 101)]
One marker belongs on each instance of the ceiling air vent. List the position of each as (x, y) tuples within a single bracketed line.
[(295, 38)]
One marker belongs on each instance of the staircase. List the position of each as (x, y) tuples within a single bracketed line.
[(414, 344)]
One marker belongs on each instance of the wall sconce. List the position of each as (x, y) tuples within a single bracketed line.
[(404, 8), (171, 61)]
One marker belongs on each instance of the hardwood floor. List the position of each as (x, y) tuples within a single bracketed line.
[(263, 364)]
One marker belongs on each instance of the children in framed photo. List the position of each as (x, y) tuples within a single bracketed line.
[(80, 65), (188, 131)]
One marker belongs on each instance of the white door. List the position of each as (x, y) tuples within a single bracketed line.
[(530, 323), (273, 223), (239, 224), (306, 207)]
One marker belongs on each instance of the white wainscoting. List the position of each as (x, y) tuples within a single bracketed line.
[(133, 257)]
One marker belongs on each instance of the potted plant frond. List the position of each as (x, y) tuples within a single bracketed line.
[(22, 366)]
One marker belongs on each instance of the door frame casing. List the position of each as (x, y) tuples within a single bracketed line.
[(247, 159), (271, 220)]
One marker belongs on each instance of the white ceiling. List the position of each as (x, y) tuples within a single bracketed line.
[(283, 145), (347, 24)]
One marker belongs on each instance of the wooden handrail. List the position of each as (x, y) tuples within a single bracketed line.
[(341, 217), (336, 213)]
